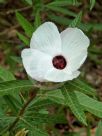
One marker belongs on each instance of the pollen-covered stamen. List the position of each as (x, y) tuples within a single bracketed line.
[(59, 62)]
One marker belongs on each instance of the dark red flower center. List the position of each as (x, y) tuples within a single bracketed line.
[(59, 62)]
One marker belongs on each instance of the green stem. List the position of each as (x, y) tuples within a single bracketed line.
[(88, 129), (20, 114)]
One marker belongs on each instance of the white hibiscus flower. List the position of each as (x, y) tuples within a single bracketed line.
[(55, 56)]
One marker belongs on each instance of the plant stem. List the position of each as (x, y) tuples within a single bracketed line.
[(21, 112)]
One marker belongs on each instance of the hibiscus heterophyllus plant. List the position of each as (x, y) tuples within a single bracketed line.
[(47, 103), (55, 56)]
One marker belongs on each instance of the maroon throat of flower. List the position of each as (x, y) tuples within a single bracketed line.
[(59, 62)]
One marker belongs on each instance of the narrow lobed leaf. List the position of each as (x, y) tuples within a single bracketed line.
[(24, 39), (91, 105), (6, 75), (76, 21), (28, 28), (92, 4), (61, 10), (84, 26), (82, 86), (64, 3), (72, 101), (37, 22), (10, 87)]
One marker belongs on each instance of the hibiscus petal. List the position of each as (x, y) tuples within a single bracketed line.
[(47, 39), (75, 62), (36, 63), (74, 47), (73, 41), (55, 75)]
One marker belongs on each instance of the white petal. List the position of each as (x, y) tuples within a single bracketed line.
[(55, 75), (75, 62), (75, 74), (36, 63), (47, 39), (74, 41)]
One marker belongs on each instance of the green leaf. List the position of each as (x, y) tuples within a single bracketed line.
[(84, 26), (37, 19), (64, 3), (82, 86), (72, 101), (56, 96), (10, 87), (89, 104), (4, 123), (6, 134), (61, 10), (12, 101), (99, 129), (6, 75), (38, 119), (44, 111), (95, 50), (59, 19), (95, 58), (92, 3), (28, 28), (40, 102), (76, 21), (38, 132), (14, 106), (29, 2), (65, 21), (16, 59), (2, 1), (23, 38), (68, 99)]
